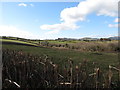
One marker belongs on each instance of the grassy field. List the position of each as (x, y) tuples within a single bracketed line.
[(61, 56), (63, 42), (88, 62), (16, 41)]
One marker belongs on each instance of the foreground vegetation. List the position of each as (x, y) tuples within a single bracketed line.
[(22, 70)]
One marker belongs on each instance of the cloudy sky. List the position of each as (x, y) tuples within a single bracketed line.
[(50, 20)]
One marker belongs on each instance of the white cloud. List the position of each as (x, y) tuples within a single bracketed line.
[(69, 16), (10, 30), (31, 5), (52, 32), (22, 4), (6, 30), (56, 28), (117, 20), (114, 25), (25, 5), (100, 7)]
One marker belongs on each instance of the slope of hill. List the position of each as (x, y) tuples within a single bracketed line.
[(115, 38)]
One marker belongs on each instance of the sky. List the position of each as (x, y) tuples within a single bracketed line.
[(52, 20)]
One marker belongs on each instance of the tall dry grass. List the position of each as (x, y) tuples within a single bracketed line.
[(21, 70), (109, 46)]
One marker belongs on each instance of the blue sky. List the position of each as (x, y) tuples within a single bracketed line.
[(50, 20)]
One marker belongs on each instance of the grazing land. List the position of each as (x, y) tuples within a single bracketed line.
[(87, 62)]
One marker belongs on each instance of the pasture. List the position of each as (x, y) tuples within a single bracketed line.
[(93, 60), (60, 56)]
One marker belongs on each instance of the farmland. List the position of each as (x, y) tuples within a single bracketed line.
[(88, 62), (78, 45)]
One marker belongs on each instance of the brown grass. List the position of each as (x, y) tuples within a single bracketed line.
[(21, 70)]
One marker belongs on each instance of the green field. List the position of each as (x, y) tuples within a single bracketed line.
[(61, 56), (63, 42), (16, 41), (30, 62)]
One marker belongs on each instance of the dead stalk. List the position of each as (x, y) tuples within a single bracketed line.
[(110, 74), (97, 76), (71, 71)]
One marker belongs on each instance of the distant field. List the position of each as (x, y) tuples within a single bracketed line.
[(16, 42), (63, 42)]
